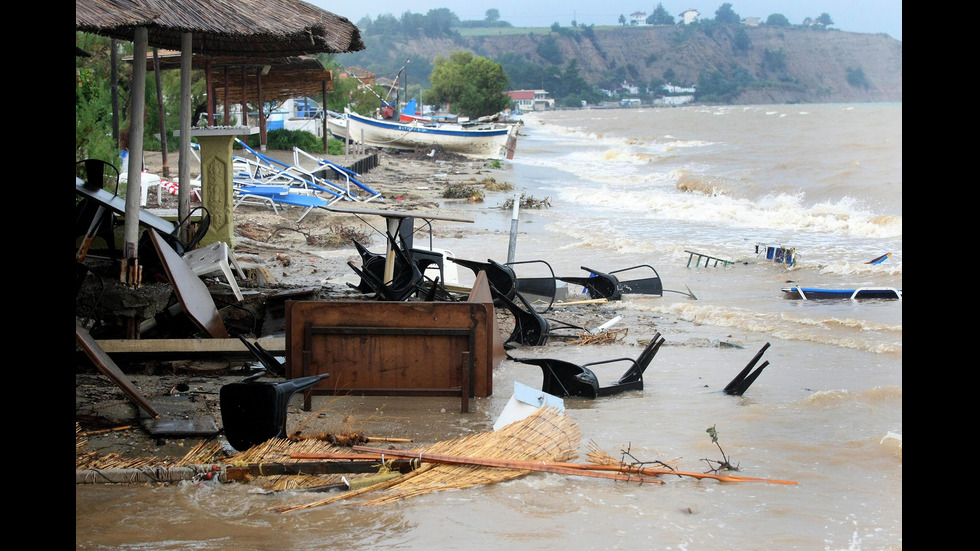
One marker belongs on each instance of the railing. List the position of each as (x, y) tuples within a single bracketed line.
[(707, 260)]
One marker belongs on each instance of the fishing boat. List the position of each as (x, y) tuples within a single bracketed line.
[(815, 293), (489, 141)]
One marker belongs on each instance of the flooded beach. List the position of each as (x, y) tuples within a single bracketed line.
[(630, 187)]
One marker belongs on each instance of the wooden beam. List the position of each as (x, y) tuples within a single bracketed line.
[(189, 347), (109, 368)]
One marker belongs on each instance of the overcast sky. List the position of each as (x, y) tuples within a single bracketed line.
[(862, 16)]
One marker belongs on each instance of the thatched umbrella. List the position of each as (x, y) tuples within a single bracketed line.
[(211, 27), (276, 28), (254, 78)]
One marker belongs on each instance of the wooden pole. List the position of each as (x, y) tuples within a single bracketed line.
[(114, 71), (129, 272), (162, 113), (629, 471), (244, 121), (258, 88), (184, 160), (225, 120), (323, 104), (575, 469), (210, 91)]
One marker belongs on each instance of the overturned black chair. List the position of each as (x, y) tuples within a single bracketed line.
[(93, 220), (744, 379), (610, 287), (540, 290), (253, 412), (530, 327), (562, 378), (268, 361), (500, 276), (373, 266), (406, 278)]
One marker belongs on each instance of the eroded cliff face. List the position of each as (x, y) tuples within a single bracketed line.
[(813, 64)]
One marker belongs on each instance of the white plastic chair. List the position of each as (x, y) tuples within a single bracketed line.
[(213, 258), (147, 181)]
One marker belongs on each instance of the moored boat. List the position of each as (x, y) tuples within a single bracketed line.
[(490, 141), (815, 293)]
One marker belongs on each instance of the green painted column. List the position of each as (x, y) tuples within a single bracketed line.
[(217, 192)]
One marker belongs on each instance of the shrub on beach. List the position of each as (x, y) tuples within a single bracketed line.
[(527, 202), (490, 184), (462, 191), (285, 140)]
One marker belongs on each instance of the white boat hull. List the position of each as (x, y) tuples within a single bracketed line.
[(490, 142)]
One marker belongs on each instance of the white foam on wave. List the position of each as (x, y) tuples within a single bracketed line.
[(847, 333), (778, 213)]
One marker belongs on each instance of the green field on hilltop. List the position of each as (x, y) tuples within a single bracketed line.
[(504, 31)]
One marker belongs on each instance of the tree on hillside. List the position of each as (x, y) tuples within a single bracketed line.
[(548, 49), (725, 14), (715, 88), (440, 22), (473, 85), (492, 16), (825, 19), (622, 19), (660, 16), (774, 61), (856, 78), (777, 20), (742, 42)]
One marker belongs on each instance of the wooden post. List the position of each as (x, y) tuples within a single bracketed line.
[(162, 115), (130, 271), (186, 112)]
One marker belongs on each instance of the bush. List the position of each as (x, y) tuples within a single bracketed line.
[(286, 140), (462, 191)]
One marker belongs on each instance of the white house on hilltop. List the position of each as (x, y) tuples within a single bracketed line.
[(638, 18), (689, 16)]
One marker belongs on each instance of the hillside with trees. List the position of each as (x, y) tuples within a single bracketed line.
[(727, 60)]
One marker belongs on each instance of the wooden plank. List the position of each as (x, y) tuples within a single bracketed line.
[(220, 347), (110, 369), (192, 293)]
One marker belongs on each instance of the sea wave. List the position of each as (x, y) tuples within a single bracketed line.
[(710, 204), (880, 395), (854, 334)]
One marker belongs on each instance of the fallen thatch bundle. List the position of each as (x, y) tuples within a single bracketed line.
[(546, 435)]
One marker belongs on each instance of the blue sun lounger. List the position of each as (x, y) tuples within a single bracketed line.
[(280, 173), (345, 174), (279, 195)]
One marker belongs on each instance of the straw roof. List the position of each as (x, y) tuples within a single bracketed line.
[(277, 28), (287, 77)]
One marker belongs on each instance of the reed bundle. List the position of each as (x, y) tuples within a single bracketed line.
[(605, 337), (546, 435), (279, 450)]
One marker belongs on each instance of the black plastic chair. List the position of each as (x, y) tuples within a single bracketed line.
[(562, 378), (537, 290), (268, 361), (530, 327), (406, 279), (501, 277), (254, 412), (598, 285), (91, 219), (744, 379), (608, 285)]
